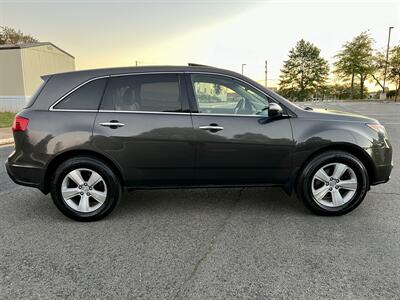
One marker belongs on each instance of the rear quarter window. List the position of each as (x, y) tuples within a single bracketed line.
[(33, 98), (87, 97)]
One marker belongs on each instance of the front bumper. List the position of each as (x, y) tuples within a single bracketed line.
[(26, 175), (382, 174), (381, 153)]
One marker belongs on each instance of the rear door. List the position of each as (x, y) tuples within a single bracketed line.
[(237, 142), (144, 125)]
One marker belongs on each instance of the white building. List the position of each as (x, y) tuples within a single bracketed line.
[(21, 67)]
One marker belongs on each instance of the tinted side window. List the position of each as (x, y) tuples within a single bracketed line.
[(33, 98), (153, 92), (223, 95), (86, 97)]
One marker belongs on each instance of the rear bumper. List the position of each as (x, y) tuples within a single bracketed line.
[(26, 175)]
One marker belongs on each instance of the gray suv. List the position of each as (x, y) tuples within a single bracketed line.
[(86, 136)]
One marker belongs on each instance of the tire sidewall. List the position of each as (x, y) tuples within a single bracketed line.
[(111, 181), (319, 162)]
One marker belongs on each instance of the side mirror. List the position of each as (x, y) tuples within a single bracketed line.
[(274, 110)]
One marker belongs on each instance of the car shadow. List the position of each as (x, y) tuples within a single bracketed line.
[(180, 201)]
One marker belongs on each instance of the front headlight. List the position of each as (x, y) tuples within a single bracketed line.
[(377, 127)]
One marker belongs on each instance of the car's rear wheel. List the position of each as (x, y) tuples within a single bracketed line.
[(85, 189), (333, 183)]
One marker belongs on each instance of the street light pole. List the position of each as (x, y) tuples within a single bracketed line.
[(387, 58), (243, 67), (266, 73)]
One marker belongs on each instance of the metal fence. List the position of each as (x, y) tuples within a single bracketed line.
[(12, 103)]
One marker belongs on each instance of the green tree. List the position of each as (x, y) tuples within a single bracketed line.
[(355, 60), (378, 68), (394, 68), (304, 73), (9, 35)]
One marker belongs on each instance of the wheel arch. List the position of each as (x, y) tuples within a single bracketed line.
[(57, 160), (355, 150)]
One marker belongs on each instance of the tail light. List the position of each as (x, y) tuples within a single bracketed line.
[(20, 124)]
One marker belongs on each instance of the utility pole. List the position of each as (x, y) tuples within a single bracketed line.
[(137, 63), (266, 73), (387, 58), (243, 67)]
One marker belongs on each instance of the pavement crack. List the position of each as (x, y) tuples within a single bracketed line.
[(219, 230)]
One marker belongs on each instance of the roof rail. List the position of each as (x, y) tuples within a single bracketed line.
[(198, 65)]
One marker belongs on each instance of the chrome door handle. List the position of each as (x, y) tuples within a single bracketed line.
[(212, 128), (112, 124)]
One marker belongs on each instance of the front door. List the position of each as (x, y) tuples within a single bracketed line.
[(236, 141), (143, 124)]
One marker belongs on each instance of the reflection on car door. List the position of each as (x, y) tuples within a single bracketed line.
[(143, 124), (235, 146)]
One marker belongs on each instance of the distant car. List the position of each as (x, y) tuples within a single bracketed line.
[(86, 136)]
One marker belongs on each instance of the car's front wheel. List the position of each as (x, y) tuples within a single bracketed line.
[(333, 183), (85, 189)]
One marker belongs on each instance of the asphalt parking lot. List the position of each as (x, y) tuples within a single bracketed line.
[(205, 243)]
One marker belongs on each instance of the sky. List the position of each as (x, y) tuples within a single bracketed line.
[(220, 33)]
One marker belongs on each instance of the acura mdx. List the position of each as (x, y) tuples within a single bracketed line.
[(87, 136)]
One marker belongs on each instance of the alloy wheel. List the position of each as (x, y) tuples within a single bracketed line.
[(334, 185), (84, 190)]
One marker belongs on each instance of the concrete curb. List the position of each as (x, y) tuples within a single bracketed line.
[(6, 141)]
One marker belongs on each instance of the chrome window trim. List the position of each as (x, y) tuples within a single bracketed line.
[(175, 113), (142, 112), (101, 77), (73, 90), (228, 115), (74, 110), (154, 112)]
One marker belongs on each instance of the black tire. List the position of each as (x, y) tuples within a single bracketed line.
[(304, 183), (112, 183)]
